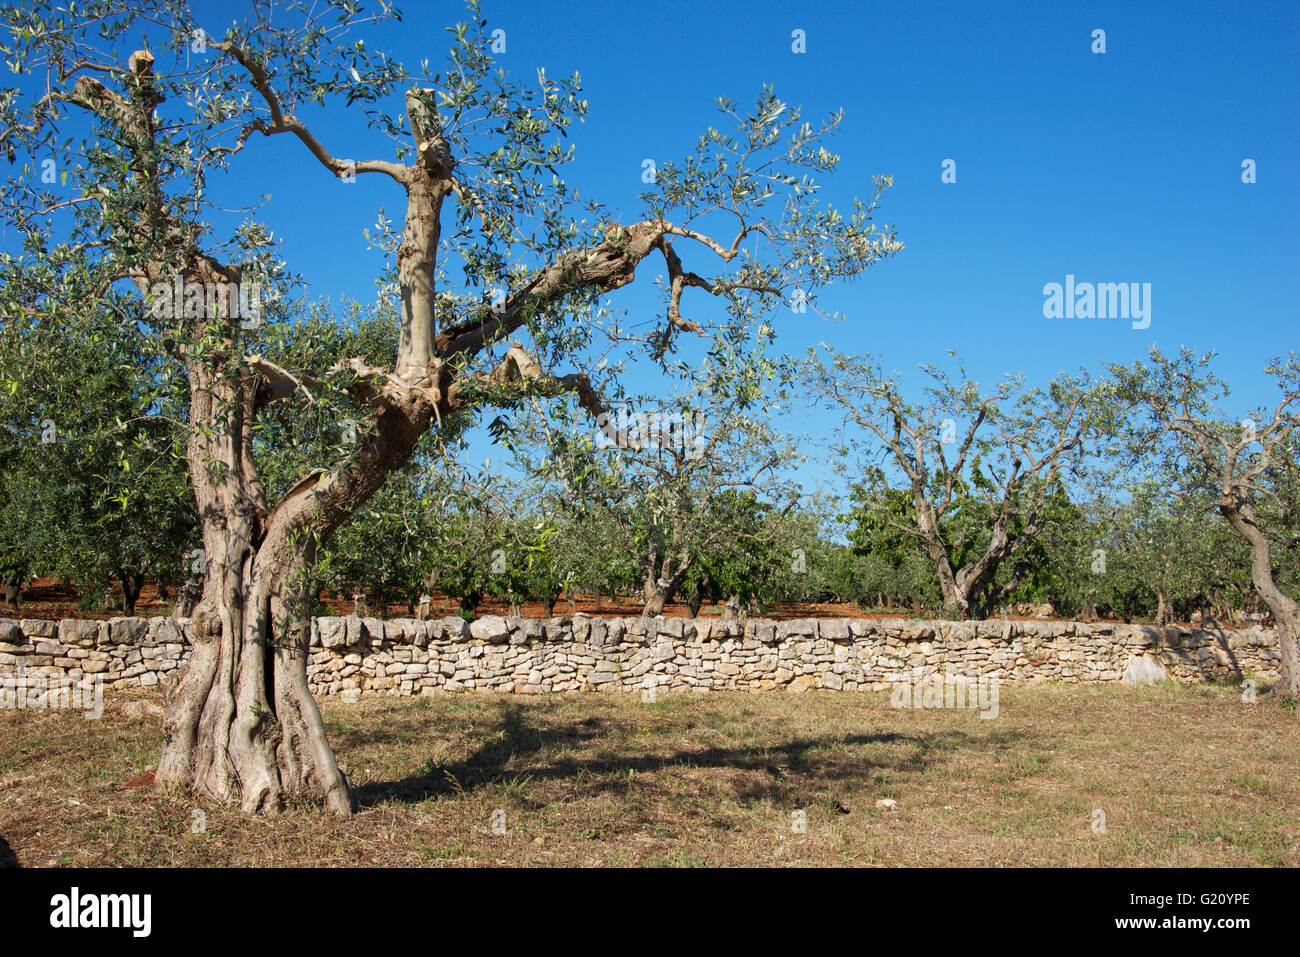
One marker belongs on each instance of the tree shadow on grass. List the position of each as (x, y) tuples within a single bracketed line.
[(787, 767), (7, 856)]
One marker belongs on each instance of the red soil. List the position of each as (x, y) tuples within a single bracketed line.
[(52, 600)]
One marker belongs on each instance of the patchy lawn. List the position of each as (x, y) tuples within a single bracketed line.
[(1185, 776)]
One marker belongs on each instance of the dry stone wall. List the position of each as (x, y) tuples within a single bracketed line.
[(353, 656)]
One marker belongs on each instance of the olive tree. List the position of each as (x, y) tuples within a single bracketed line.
[(1242, 467), (93, 486), (691, 483), (475, 161), (976, 470), (1171, 551)]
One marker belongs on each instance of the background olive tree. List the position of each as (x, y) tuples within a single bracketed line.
[(1244, 468), (971, 475), (693, 484), (93, 488)]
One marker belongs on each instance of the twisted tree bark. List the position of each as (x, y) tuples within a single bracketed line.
[(1286, 613)]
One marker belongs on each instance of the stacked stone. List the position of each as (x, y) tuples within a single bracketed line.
[(122, 651), (352, 656), (529, 656)]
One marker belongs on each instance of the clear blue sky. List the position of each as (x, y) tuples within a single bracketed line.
[(1122, 166), (1115, 167)]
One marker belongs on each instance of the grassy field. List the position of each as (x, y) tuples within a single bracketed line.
[(1185, 776)]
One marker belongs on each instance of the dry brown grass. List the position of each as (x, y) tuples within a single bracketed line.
[(1185, 776)]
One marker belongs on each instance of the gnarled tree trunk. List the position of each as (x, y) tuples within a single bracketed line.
[(132, 583), (696, 598), (660, 589), (240, 723), (1286, 613)]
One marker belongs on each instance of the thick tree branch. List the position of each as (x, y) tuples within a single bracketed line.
[(282, 122)]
